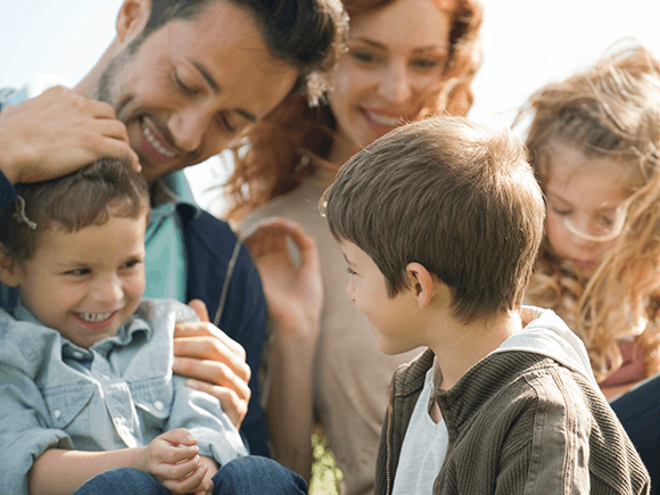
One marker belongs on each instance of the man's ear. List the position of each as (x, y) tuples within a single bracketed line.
[(131, 19), (424, 283), (9, 273)]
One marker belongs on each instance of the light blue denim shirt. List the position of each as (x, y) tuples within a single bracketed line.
[(119, 393)]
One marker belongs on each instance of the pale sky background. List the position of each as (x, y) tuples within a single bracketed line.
[(527, 43)]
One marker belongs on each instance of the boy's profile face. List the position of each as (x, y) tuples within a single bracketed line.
[(85, 284), (390, 319)]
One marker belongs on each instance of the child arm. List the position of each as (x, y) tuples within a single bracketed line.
[(170, 458)]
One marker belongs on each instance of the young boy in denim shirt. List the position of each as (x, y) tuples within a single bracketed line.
[(440, 222), (86, 380)]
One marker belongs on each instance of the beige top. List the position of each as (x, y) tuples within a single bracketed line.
[(351, 375)]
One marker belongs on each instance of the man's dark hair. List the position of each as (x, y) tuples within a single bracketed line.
[(308, 34)]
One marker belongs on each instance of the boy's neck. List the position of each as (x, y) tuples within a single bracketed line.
[(459, 347)]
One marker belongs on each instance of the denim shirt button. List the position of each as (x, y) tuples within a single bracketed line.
[(78, 355), (158, 405), (57, 413)]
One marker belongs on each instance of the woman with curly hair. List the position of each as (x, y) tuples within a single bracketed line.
[(595, 144), (404, 60)]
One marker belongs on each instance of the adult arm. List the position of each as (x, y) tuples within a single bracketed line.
[(294, 295), (216, 362), (56, 133)]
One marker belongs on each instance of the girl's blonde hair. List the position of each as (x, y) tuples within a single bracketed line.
[(271, 159), (611, 110)]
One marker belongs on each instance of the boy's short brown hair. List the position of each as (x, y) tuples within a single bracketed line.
[(75, 201), (458, 197)]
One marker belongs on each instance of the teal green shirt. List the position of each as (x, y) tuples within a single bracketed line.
[(165, 263)]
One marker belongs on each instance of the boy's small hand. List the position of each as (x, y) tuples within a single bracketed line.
[(206, 486), (173, 460)]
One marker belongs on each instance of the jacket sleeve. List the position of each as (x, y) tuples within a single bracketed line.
[(7, 191)]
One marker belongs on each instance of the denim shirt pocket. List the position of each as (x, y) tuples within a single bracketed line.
[(153, 401), (66, 402)]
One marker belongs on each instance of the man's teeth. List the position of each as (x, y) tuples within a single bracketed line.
[(386, 121), (94, 317), (156, 143)]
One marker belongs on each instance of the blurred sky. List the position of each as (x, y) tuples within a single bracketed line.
[(526, 43)]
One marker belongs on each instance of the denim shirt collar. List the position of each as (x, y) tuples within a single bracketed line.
[(133, 328)]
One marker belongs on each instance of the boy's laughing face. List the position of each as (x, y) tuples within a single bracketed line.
[(86, 284)]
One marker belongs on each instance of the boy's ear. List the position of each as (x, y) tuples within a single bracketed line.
[(8, 270), (424, 283)]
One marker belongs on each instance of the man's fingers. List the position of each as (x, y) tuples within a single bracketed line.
[(205, 340), (214, 373), (200, 308)]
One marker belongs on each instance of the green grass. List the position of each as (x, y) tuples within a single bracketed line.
[(326, 476)]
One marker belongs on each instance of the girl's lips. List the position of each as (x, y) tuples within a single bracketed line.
[(85, 319), (584, 264)]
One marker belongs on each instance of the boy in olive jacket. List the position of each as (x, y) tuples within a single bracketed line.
[(440, 222)]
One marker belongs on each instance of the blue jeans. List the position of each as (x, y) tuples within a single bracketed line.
[(639, 413), (245, 475)]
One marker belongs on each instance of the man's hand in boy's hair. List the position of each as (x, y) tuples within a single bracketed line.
[(173, 460), (56, 133), (215, 363)]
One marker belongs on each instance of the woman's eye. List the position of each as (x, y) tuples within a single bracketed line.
[(362, 56), (426, 63)]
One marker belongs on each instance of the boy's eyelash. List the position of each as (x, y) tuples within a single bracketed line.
[(350, 271)]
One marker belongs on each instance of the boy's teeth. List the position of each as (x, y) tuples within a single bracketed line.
[(94, 317), (155, 143), (382, 120)]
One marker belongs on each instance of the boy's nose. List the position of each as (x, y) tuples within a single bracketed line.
[(108, 290)]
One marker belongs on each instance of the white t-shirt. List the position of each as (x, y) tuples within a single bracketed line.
[(424, 448)]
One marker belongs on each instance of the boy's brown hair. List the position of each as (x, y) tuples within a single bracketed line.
[(457, 197), (75, 201)]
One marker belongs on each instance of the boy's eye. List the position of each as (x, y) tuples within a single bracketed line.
[(132, 263), (78, 272), (350, 271)]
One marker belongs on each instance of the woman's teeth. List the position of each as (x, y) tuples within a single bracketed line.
[(156, 143), (385, 121)]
